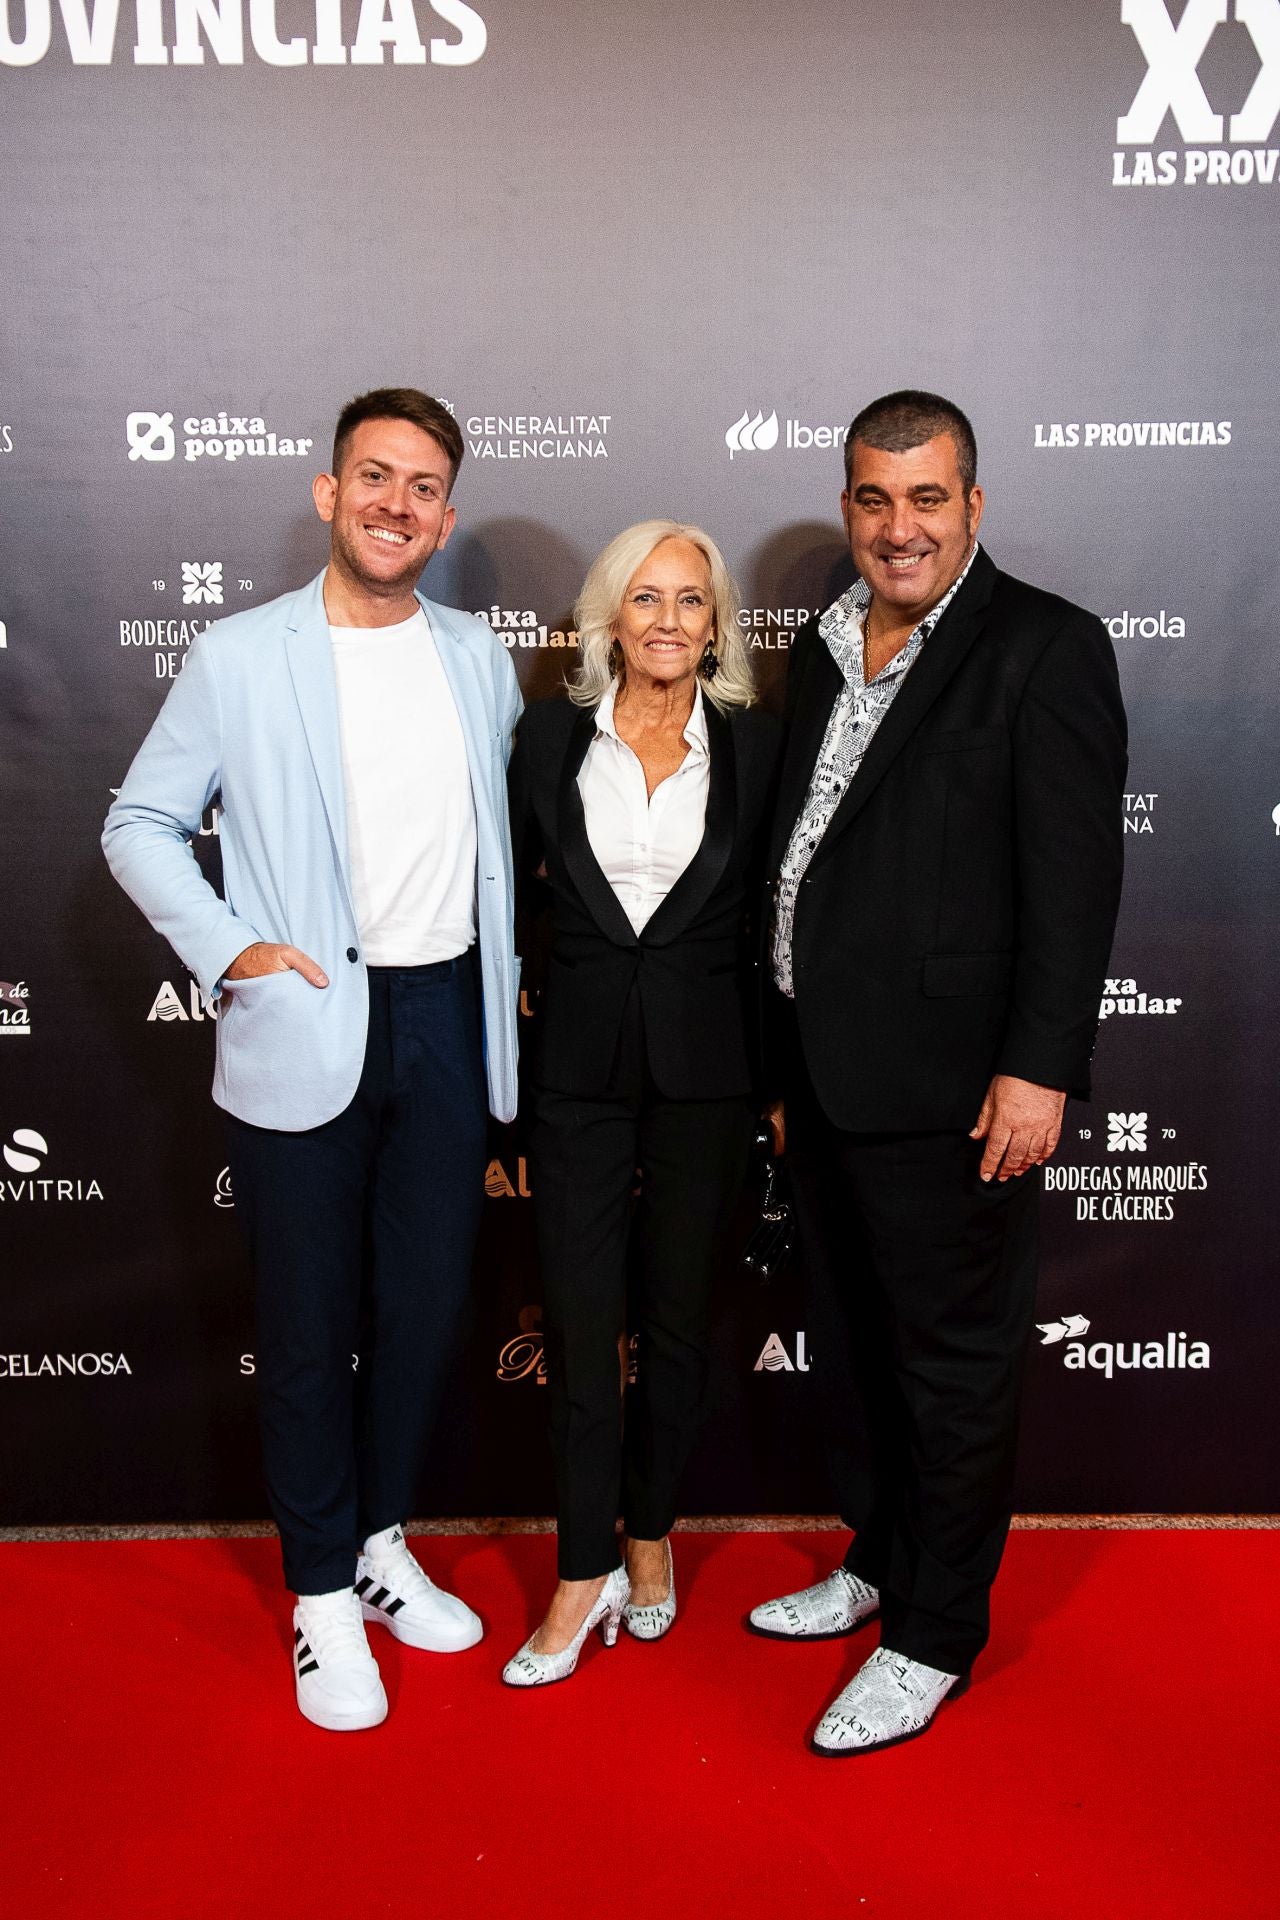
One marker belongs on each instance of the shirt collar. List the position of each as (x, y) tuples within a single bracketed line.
[(841, 624), (695, 730)]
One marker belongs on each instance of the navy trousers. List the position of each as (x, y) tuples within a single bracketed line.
[(361, 1234)]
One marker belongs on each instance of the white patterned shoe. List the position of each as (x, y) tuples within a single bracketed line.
[(336, 1676), (835, 1606), (650, 1623), (392, 1589), (530, 1669), (890, 1699)]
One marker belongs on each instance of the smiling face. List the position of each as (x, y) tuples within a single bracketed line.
[(910, 524), (388, 508), (667, 615)]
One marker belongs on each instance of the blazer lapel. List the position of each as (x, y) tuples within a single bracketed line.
[(804, 741), (575, 848), (699, 878), (938, 660), (310, 655), (461, 670)]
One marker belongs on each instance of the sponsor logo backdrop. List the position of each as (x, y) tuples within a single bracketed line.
[(653, 261)]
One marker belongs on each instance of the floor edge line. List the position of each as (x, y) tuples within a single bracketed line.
[(698, 1523)]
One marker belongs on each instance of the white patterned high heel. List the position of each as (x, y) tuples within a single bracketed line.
[(530, 1669), (651, 1622)]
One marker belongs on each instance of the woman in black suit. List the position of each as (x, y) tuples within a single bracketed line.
[(642, 798)]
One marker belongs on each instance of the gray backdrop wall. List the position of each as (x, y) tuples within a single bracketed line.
[(654, 257)]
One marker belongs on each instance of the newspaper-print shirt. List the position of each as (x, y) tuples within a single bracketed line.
[(860, 707)]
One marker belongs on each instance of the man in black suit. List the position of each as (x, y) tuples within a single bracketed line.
[(947, 862)]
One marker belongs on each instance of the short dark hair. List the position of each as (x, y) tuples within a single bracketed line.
[(400, 403), (907, 419)]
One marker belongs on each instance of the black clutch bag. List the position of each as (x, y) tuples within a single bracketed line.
[(769, 1243)]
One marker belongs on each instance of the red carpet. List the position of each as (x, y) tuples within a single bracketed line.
[(1115, 1756)]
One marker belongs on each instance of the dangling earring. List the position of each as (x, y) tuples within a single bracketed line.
[(615, 659), (709, 665)]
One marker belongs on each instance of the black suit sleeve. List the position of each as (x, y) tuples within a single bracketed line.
[(526, 838), (1070, 760)]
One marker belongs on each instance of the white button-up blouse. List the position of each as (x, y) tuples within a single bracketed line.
[(643, 845)]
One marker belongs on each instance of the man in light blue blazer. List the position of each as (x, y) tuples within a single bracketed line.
[(361, 957)]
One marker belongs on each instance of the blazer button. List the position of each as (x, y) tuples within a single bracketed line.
[(352, 955)]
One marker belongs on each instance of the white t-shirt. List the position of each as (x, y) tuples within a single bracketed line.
[(411, 822), (643, 845)]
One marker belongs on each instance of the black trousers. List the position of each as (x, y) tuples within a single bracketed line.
[(361, 1233), (691, 1155), (922, 1284)]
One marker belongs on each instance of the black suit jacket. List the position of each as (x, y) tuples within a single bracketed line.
[(956, 919), (694, 963)]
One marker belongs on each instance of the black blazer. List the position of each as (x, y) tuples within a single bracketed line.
[(956, 920), (694, 963)]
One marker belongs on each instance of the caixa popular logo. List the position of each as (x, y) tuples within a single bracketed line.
[(1172, 86), (1121, 999), (1169, 1353), (520, 627), (227, 437)]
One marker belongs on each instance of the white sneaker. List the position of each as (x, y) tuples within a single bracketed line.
[(890, 1699), (827, 1611), (392, 1589), (336, 1676)]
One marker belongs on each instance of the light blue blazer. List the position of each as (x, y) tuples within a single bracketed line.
[(253, 716)]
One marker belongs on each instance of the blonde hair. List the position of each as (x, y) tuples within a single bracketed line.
[(601, 599)]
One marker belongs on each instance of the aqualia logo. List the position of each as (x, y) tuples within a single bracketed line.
[(775, 1358), (1172, 1352)]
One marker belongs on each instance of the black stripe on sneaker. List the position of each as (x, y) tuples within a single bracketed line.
[(297, 1635), (303, 1652), (312, 1666), (393, 1606), (376, 1599), (363, 1585)]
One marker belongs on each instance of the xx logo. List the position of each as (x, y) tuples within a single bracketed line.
[(1172, 84), (150, 436)]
